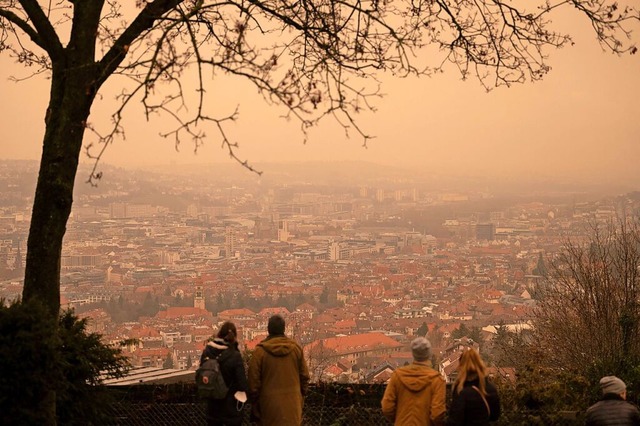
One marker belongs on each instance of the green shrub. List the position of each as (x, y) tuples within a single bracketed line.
[(38, 355)]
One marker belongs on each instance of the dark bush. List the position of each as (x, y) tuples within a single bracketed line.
[(35, 351)]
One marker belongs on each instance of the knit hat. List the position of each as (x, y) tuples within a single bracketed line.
[(611, 384), (421, 349)]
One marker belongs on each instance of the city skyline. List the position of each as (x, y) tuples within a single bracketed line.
[(276, 158)]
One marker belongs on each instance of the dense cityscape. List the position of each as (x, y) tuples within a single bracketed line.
[(358, 262)]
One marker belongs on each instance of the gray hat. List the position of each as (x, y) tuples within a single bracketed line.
[(611, 384), (421, 349)]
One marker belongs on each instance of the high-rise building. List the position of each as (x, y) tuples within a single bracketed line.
[(117, 210), (334, 251), (283, 231), (485, 231), (230, 242)]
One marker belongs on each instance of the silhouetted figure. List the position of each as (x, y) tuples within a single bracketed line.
[(278, 378), (475, 399), (415, 393), (227, 411), (613, 409)]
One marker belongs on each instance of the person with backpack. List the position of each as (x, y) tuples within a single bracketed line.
[(474, 399), (227, 410)]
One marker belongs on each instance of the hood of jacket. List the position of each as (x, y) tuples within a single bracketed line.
[(278, 345), (216, 348), (416, 376), (218, 344)]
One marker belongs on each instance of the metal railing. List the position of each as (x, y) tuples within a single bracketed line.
[(325, 405)]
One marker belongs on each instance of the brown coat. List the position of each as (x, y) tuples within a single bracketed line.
[(415, 395), (278, 379)]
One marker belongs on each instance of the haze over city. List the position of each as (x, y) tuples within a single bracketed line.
[(580, 124), (287, 225)]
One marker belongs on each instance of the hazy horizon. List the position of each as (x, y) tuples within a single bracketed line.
[(580, 124)]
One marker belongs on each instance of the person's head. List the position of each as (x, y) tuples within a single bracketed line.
[(228, 332), (276, 325), (421, 349), (471, 367), (612, 384)]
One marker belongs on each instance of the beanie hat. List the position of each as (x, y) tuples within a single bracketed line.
[(421, 349), (611, 384)]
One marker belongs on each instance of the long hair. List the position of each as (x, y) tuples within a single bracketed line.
[(471, 367), (228, 333)]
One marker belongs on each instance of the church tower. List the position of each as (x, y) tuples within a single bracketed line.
[(198, 300)]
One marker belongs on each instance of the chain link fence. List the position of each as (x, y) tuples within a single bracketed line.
[(325, 405)]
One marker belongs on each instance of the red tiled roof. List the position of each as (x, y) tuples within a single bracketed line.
[(234, 313), (251, 344), (182, 311), (138, 333), (274, 311), (357, 343)]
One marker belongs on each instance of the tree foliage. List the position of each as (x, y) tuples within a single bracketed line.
[(319, 357), (29, 362), (544, 396), (422, 330), (168, 361), (583, 329), (35, 355), (589, 313), (86, 361)]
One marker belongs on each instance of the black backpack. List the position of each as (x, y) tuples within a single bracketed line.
[(209, 380)]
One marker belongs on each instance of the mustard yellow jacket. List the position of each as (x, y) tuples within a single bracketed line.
[(415, 395)]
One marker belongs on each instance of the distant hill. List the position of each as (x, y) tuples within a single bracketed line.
[(19, 177)]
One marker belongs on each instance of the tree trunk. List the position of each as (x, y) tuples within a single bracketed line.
[(72, 94), (69, 107)]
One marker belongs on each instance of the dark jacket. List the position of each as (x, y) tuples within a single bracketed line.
[(227, 410), (612, 410), (278, 378), (468, 408)]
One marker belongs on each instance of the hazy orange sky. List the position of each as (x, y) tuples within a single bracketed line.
[(582, 120)]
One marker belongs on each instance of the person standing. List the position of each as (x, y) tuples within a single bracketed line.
[(613, 408), (278, 378), (415, 394), (224, 347), (474, 399)]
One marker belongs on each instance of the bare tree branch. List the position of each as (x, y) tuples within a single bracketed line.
[(143, 22), (593, 290), (24, 26), (48, 36)]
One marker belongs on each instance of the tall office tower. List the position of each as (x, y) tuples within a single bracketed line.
[(117, 210), (230, 242), (334, 251), (485, 231)]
